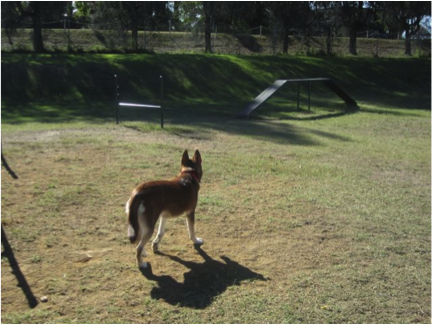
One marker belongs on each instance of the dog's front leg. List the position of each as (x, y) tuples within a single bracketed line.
[(191, 228)]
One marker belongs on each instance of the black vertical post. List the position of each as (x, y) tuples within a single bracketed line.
[(162, 102), (309, 87), (298, 95), (116, 94)]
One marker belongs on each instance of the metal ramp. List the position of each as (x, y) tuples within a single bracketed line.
[(269, 91)]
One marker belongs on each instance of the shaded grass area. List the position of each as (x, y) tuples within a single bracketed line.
[(64, 87)]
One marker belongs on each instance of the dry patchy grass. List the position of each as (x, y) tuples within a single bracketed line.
[(303, 221)]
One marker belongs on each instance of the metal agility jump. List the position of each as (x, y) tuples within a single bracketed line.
[(119, 104)]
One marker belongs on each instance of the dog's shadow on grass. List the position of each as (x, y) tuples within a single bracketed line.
[(202, 283)]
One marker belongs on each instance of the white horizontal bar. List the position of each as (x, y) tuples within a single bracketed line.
[(139, 105)]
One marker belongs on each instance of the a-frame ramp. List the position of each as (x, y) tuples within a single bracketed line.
[(269, 91)]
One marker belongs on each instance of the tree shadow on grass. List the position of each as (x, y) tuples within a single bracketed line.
[(195, 121), (22, 282), (273, 128), (202, 283)]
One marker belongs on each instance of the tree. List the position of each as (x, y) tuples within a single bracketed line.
[(254, 13), (406, 16), (288, 15), (15, 13), (226, 15), (115, 16), (133, 9), (326, 20), (209, 13), (354, 16), (125, 16), (82, 13), (213, 12), (187, 15)]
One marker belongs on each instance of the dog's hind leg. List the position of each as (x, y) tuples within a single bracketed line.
[(161, 231), (191, 228), (146, 232), (146, 235)]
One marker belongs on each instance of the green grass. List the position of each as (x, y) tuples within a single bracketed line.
[(328, 212), (341, 219), (60, 88)]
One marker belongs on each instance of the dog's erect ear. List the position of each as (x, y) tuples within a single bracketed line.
[(185, 158), (197, 157)]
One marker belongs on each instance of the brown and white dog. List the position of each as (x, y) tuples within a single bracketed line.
[(164, 199)]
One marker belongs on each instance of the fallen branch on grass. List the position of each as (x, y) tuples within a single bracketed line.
[(5, 164)]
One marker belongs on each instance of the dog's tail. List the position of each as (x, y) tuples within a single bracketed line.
[(132, 211)]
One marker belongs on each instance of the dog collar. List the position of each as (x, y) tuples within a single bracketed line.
[(193, 173)]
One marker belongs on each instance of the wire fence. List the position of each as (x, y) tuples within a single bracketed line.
[(64, 35)]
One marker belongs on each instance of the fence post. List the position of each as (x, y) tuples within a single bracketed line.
[(162, 102), (116, 94), (298, 95), (309, 88)]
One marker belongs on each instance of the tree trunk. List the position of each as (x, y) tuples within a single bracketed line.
[(407, 42), (207, 37), (274, 40), (207, 6), (285, 41), (37, 28), (9, 36), (135, 38), (329, 41), (353, 41)]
